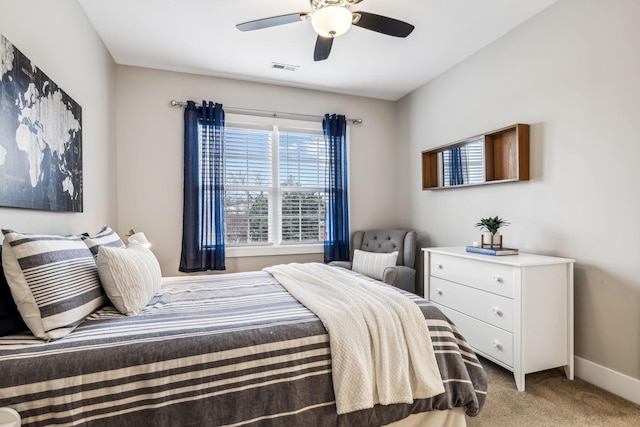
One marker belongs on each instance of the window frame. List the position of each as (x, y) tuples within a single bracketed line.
[(275, 248)]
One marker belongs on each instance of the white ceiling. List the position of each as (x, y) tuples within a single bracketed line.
[(200, 37)]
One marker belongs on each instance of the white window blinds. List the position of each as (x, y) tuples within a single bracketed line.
[(274, 185), (248, 181), (302, 169)]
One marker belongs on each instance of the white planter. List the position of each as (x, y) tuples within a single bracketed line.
[(496, 239), (488, 238)]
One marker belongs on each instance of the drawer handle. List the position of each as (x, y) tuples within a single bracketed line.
[(439, 266), (497, 345), (439, 292), (497, 311), (497, 279)]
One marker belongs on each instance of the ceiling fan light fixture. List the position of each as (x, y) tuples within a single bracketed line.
[(331, 21)]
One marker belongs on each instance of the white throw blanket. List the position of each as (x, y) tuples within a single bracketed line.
[(381, 350)]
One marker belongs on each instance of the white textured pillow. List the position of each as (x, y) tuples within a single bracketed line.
[(130, 276), (53, 279), (373, 264)]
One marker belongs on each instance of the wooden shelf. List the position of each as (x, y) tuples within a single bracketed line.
[(505, 157)]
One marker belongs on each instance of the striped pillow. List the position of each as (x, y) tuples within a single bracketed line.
[(53, 279), (373, 264), (105, 237)]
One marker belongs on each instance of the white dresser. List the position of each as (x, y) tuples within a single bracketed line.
[(516, 310)]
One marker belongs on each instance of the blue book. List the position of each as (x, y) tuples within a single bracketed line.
[(492, 251)]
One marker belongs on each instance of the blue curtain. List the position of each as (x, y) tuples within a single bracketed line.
[(456, 176), (458, 166), (336, 243), (203, 209)]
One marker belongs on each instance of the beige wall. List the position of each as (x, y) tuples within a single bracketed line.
[(150, 149), (59, 39), (573, 73)]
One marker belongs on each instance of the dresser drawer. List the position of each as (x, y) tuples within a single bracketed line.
[(485, 339), (491, 308), (492, 277)]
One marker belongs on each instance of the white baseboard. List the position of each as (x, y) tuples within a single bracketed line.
[(608, 379)]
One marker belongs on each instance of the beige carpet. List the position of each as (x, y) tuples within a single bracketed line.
[(550, 399)]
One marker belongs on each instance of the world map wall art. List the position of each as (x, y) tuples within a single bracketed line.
[(40, 138)]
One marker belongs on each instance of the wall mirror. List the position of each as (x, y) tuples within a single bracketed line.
[(463, 164), (498, 156)]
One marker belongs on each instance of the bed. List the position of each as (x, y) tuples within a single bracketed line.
[(230, 349), (108, 342)]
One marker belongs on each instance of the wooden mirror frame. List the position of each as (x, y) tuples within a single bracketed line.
[(506, 158)]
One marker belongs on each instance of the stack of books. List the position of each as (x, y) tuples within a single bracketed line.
[(495, 251)]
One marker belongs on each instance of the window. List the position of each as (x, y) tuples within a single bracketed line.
[(470, 164), (274, 188), (248, 181)]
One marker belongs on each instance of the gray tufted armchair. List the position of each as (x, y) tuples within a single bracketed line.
[(403, 274)]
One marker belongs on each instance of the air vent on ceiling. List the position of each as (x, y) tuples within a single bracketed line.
[(285, 67)]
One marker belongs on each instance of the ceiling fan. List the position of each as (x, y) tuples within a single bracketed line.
[(330, 19)]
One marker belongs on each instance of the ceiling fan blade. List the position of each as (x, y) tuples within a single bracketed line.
[(323, 48), (259, 24), (383, 24)]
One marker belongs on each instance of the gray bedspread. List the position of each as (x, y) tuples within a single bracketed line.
[(232, 349)]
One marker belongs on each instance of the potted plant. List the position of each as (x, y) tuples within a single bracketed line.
[(491, 227)]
